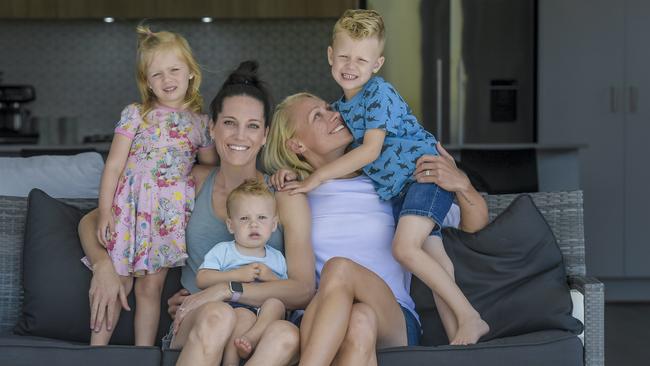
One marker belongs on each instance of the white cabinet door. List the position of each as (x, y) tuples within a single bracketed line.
[(580, 84), (637, 139)]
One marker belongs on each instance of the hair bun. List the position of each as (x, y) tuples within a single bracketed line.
[(246, 73)]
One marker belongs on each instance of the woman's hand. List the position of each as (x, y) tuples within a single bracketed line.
[(175, 302), (441, 170), (105, 289), (105, 226), (219, 292), (281, 177)]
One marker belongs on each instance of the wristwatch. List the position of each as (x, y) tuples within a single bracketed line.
[(236, 289)]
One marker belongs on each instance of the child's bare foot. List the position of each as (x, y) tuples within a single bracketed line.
[(244, 347), (470, 331)]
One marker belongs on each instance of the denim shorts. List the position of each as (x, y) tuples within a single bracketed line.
[(413, 328), (423, 199)]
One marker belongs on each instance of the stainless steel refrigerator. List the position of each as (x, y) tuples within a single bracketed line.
[(479, 70)]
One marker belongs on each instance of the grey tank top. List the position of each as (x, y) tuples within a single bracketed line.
[(205, 229)]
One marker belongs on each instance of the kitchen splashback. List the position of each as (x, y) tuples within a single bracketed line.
[(86, 69)]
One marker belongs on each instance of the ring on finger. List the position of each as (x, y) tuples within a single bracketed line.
[(427, 173)]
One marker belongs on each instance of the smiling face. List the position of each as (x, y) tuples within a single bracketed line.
[(252, 220), (239, 131), (168, 78), (354, 61), (320, 134)]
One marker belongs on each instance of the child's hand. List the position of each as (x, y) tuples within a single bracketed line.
[(249, 272), (307, 185), (266, 274), (105, 227), (281, 177)]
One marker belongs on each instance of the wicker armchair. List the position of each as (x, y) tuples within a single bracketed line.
[(563, 211)]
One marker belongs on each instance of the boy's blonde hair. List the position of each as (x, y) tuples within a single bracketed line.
[(250, 188), (276, 153), (360, 24), (151, 42)]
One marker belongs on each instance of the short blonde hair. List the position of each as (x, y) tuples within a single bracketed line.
[(276, 153), (250, 188), (148, 44), (360, 24)]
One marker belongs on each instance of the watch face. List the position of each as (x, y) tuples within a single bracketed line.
[(236, 287)]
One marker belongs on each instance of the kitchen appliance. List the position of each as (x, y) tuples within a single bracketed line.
[(16, 125), (479, 70)]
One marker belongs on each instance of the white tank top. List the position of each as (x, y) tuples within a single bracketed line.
[(349, 220)]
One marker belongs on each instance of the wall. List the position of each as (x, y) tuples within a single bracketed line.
[(403, 65), (85, 69)]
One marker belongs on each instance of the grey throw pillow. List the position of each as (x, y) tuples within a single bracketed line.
[(512, 272), (56, 283)]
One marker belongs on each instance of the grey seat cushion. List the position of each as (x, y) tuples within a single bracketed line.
[(552, 347), (28, 351)]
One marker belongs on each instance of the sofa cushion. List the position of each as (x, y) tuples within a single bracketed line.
[(513, 273), (551, 347), (27, 351), (75, 176), (56, 282)]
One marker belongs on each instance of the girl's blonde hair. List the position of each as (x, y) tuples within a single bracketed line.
[(276, 154), (360, 24), (151, 42)]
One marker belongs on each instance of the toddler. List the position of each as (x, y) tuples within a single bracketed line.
[(251, 219), (146, 192), (388, 140)]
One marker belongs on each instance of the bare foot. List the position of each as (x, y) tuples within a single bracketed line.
[(244, 347), (470, 331)]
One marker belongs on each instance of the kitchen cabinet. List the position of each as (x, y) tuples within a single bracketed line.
[(173, 9), (594, 89)]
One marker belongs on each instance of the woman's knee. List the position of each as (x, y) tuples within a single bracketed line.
[(284, 334), (214, 321), (336, 272)]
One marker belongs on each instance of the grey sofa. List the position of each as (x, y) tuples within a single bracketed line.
[(562, 210)]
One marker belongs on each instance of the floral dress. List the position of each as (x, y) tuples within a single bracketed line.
[(155, 192)]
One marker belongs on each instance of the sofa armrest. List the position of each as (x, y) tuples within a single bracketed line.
[(594, 307)]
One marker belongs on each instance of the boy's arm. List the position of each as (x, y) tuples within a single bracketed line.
[(208, 277), (352, 161)]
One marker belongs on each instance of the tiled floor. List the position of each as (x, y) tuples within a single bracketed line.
[(627, 334)]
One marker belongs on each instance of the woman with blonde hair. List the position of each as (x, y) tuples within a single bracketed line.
[(362, 302)]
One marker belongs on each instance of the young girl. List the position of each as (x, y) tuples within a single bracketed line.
[(146, 192)]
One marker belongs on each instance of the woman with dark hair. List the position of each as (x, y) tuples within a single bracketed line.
[(203, 321)]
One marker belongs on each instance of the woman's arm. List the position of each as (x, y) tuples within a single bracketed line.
[(444, 172), (298, 289), (105, 285), (207, 277)]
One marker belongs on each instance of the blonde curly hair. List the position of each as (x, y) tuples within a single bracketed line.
[(148, 44), (361, 24)]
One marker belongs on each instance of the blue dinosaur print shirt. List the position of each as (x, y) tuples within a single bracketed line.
[(378, 105)]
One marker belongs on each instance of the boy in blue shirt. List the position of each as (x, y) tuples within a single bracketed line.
[(388, 140)]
